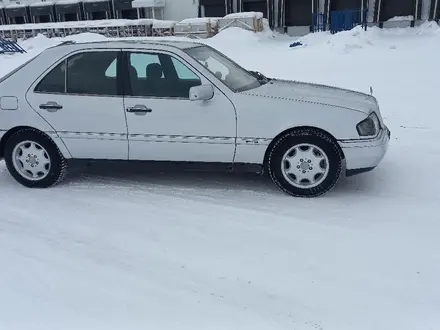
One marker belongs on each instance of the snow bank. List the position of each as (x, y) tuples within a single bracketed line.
[(358, 38)]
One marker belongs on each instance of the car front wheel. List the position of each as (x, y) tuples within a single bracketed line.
[(34, 160), (305, 163)]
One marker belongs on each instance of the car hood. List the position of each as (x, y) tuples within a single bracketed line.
[(314, 93)]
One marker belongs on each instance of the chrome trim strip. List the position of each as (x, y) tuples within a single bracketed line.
[(164, 138)]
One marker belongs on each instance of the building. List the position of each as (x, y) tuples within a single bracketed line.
[(294, 17)]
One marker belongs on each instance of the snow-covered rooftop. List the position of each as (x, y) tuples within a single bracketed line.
[(148, 3)]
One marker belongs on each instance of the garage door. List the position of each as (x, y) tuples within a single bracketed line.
[(298, 12), (347, 4), (255, 5), (392, 8)]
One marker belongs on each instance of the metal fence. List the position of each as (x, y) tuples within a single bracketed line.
[(9, 46), (339, 20), (319, 22), (343, 20), (197, 28)]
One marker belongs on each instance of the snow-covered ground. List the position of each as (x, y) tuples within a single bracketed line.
[(109, 250)]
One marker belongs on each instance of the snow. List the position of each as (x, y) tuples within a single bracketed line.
[(16, 5), (94, 1), (41, 4), (200, 20), (148, 3), (250, 14), (113, 249), (401, 18), (162, 24), (68, 2), (78, 24)]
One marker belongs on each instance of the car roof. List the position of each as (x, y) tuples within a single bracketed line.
[(132, 43)]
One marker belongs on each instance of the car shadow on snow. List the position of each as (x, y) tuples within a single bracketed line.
[(189, 180), (173, 179), (366, 184)]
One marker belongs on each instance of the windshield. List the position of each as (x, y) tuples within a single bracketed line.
[(229, 72)]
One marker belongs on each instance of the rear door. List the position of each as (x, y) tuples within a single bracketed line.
[(81, 98)]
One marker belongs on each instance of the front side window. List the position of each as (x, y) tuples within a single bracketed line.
[(89, 73), (229, 72), (159, 75)]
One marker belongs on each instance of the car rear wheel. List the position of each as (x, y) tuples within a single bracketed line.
[(34, 160), (305, 163)]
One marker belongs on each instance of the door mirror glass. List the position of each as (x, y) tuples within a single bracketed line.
[(201, 93)]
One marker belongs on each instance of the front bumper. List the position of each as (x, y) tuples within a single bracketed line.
[(364, 155)]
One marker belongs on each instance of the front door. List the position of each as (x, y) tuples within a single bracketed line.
[(168, 126), (80, 97)]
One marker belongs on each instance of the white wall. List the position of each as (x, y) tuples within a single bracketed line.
[(177, 10)]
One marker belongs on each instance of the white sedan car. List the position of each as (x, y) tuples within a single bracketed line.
[(185, 104)]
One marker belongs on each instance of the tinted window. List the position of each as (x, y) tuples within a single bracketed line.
[(160, 75), (54, 81), (90, 73)]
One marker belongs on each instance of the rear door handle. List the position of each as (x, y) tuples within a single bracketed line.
[(139, 109), (51, 106)]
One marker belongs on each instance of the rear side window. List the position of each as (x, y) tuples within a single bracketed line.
[(89, 73), (54, 81)]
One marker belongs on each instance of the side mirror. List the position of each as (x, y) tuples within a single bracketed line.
[(201, 93)]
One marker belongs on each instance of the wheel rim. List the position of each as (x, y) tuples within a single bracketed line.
[(31, 160), (305, 166)]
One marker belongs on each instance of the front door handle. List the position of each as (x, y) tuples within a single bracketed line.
[(51, 106), (139, 109)]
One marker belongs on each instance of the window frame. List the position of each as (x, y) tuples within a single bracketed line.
[(66, 57), (126, 75)]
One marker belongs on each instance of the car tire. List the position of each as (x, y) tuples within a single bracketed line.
[(305, 163), (34, 160)]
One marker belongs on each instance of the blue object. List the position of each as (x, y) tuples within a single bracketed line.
[(345, 20), (9, 46), (339, 20)]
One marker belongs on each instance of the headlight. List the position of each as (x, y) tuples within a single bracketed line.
[(369, 126)]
